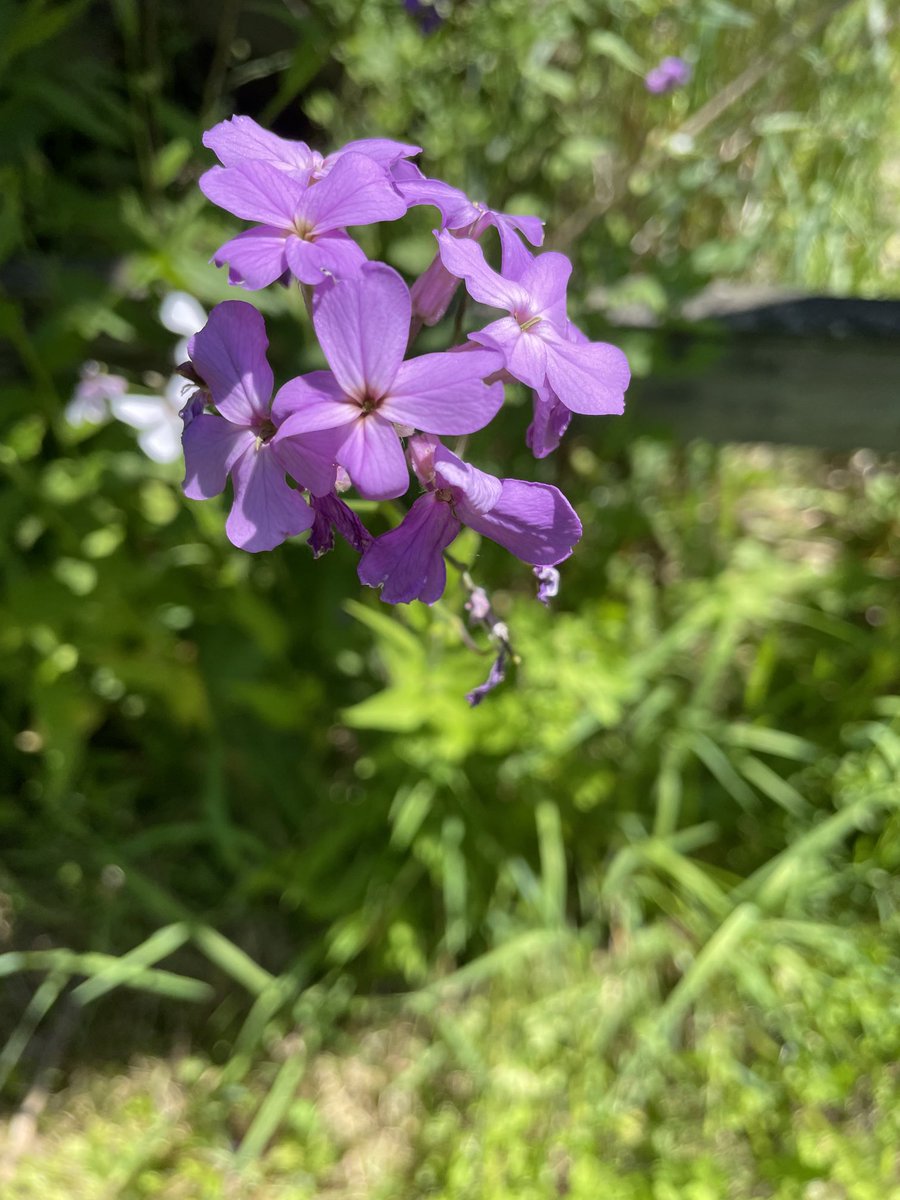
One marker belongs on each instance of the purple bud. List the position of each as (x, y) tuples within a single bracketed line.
[(496, 675), (432, 292), (548, 583), (478, 606)]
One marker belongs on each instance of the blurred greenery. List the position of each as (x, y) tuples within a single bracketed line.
[(279, 914)]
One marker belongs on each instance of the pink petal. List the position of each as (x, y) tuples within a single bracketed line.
[(229, 353), (255, 191), (373, 456), (525, 351), (551, 420), (211, 447), (255, 258), (265, 510), (589, 378), (240, 138), (363, 327), (407, 562), (534, 521), (465, 258), (445, 393), (356, 191)]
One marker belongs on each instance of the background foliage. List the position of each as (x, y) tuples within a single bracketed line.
[(628, 928)]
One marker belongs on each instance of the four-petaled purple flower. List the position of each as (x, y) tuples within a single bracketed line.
[(302, 226), (534, 521), (246, 439), (363, 326), (535, 338)]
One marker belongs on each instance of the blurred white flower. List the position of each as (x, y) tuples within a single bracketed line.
[(156, 417)]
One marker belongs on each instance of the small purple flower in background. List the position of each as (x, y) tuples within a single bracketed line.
[(363, 326), (671, 73), (92, 396), (244, 439), (534, 521), (301, 229), (155, 416), (428, 17)]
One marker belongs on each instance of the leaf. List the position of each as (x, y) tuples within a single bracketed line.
[(609, 45)]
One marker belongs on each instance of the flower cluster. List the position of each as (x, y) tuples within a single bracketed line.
[(375, 419)]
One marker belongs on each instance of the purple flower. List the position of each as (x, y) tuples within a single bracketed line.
[(551, 417), (301, 229), (240, 140), (426, 14), (330, 513), (363, 326), (534, 521), (434, 289), (92, 396), (534, 338), (246, 439), (671, 73)]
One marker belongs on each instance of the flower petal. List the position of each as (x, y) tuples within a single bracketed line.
[(546, 280), (308, 458), (312, 402), (356, 191), (265, 510), (478, 490), (211, 447), (588, 378), (331, 513), (254, 191), (141, 412), (380, 150), (181, 313), (551, 420), (363, 327), (534, 521), (240, 138), (525, 350), (333, 253), (465, 258), (255, 258), (229, 353), (445, 393), (163, 442), (373, 456), (407, 562)]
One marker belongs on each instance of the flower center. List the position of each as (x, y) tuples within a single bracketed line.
[(264, 433), (444, 494), (303, 229), (369, 404), (529, 323)]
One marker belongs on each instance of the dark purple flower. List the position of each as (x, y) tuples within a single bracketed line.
[(671, 73), (363, 327), (330, 513), (301, 228), (245, 439), (535, 338), (534, 521)]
